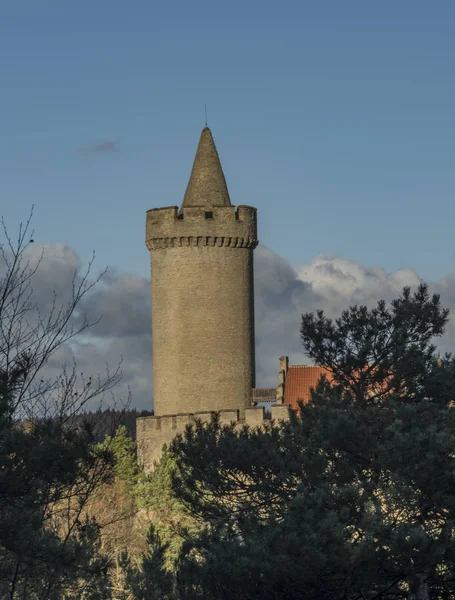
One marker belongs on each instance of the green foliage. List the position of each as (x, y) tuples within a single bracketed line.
[(123, 449), (148, 580), (355, 496), (172, 523)]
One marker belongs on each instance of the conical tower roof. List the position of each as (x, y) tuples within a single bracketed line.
[(207, 185)]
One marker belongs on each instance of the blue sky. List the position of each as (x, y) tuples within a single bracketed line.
[(335, 118)]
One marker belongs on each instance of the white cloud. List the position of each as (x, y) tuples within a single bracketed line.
[(338, 278)]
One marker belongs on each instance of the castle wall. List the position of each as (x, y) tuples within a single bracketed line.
[(203, 308), (153, 432)]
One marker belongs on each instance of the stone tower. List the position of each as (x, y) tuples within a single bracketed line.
[(202, 295)]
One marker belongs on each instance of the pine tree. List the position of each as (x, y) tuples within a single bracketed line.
[(355, 496), (173, 524), (148, 580)]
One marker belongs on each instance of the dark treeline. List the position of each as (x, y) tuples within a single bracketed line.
[(105, 422)]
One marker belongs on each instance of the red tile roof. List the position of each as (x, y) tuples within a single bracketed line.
[(300, 380)]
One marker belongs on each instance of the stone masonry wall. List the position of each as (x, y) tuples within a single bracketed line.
[(203, 308), (153, 432), (167, 227)]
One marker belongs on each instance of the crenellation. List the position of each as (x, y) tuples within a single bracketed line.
[(163, 210), (228, 416), (255, 415), (153, 432), (204, 416), (227, 223), (247, 213), (280, 412)]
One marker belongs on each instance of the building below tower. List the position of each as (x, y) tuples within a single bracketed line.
[(153, 432), (295, 383)]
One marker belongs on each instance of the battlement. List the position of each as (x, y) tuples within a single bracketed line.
[(201, 226), (153, 432)]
